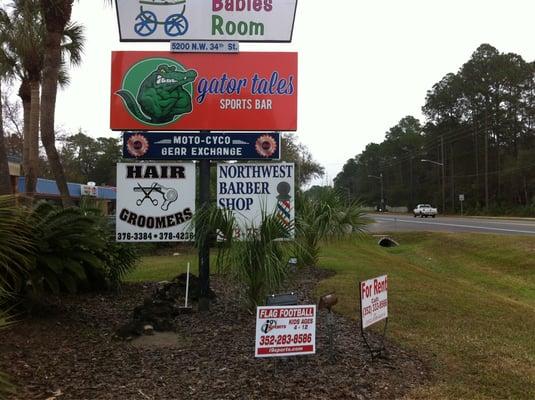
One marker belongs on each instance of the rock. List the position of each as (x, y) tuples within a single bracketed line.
[(163, 306), (148, 330)]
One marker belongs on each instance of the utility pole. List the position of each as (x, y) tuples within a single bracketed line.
[(382, 193), (443, 176), (380, 177), (486, 163), (443, 180), (452, 180), (412, 190)]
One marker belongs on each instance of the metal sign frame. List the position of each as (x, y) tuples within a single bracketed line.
[(374, 352)]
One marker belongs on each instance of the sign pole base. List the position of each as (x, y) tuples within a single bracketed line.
[(377, 352), (204, 251)]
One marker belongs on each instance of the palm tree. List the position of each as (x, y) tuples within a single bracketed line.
[(57, 14), (24, 32), (6, 72)]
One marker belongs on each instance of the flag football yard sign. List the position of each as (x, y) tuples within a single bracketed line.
[(253, 189), (155, 202), (220, 92), (241, 20), (285, 331), (374, 300)]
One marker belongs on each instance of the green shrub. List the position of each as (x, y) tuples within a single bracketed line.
[(258, 262), (16, 247), (75, 249), (66, 241), (326, 216), (6, 388)]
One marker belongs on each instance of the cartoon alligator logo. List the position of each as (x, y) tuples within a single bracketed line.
[(161, 97)]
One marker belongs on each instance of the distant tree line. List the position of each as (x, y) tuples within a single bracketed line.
[(478, 140)]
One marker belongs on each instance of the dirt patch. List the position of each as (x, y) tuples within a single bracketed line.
[(160, 339), (209, 356)]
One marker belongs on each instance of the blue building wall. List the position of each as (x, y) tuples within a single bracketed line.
[(47, 187)]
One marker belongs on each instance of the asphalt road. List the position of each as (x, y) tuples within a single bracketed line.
[(401, 223)]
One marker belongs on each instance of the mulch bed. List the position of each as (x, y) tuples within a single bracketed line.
[(73, 353)]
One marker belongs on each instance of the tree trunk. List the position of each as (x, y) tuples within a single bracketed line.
[(57, 14), (5, 180), (25, 94), (33, 140)]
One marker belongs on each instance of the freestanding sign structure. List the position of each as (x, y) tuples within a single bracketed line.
[(285, 331), (198, 146), (241, 20), (155, 202), (373, 306), (215, 92), (251, 189)]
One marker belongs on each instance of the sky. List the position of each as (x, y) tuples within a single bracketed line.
[(363, 65)]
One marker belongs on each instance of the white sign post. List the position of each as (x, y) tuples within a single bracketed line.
[(461, 199), (283, 331), (241, 20), (155, 202), (373, 306), (251, 190)]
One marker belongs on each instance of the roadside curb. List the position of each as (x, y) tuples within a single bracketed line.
[(458, 216)]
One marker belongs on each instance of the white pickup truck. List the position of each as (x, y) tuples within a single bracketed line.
[(425, 210)]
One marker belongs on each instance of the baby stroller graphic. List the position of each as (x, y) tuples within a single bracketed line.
[(147, 22)]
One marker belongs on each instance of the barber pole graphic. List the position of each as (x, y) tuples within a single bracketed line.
[(284, 205)]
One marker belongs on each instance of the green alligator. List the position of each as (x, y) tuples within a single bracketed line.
[(161, 97)]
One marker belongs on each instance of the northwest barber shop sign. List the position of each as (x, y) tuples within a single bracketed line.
[(155, 202), (239, 20), (253, 190)]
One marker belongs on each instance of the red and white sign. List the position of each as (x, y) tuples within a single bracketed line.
[(227, 92), (285, 331), (373, 300)]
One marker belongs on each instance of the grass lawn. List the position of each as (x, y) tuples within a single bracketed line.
[(163, 268), (466, 302)]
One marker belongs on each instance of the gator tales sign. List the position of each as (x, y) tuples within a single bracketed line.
[(241, 20), (225, 92)]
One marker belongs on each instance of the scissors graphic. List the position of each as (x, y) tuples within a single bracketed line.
[(146, 194), (169, 195)]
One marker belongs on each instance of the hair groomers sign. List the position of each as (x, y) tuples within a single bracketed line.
[(155, 202), (251, 189), (225, 92), (241, 20)]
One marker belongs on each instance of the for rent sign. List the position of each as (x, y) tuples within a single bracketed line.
[(285, 331), (155, 202), (374, 300), (253, 190), (225, 92), (242, 20)]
